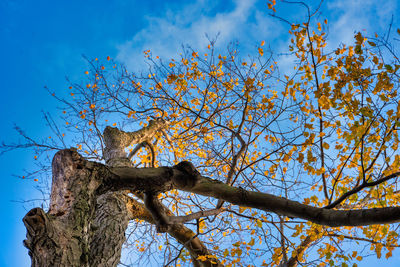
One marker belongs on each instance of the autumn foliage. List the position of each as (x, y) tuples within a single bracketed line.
[(323, 133)]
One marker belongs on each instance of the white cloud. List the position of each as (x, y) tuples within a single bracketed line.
[(248, 23), (188, 26), (367, 16)]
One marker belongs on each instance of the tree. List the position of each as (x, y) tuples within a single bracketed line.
[(222, 160)]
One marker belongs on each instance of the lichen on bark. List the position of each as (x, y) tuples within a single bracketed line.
[(90, 209)]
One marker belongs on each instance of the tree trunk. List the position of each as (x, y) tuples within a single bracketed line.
[(82, 227), (89, 213)]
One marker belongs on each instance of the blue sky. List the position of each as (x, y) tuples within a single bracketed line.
[(43, 41)]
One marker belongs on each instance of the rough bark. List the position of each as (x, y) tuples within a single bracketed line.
[(109, 224), (294, 209), (88, 216), (116, 140), (89, 211), (263, 201), (181, 233), (150, 182), (86, 226), (62, 236)]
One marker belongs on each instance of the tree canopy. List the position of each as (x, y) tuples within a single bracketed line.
[(221, 159)]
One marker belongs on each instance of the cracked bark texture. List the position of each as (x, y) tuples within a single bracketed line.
[(90, 210), (116, 140), (62, 236), (84, 226)]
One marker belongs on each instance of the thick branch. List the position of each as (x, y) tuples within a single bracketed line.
[(290, 208), (181, 233), (270, 203), (116, 140), (292, 262)]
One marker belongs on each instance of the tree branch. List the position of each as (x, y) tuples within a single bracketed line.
[(195, 215), (116, 140), (263, 201), (181, 233), (359, 188)]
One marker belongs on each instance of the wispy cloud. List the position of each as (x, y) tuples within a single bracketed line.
[(189, 26), (367, 16), (248, 23)]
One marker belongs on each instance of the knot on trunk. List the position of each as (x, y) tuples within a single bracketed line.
[(35, 222), (39, 235), (187, 175)]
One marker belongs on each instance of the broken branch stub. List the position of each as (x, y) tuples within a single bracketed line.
[(117, 140)]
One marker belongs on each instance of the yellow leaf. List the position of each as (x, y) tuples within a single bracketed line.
[(226, 252), (325, 145), (251, 243), (202, 258)]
